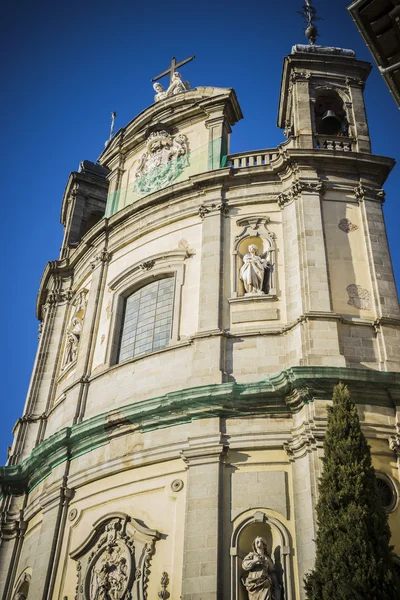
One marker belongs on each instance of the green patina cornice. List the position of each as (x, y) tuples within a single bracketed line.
[(278, 395)]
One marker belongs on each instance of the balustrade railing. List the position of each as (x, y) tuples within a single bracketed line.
[(343, 144), (251, 159)]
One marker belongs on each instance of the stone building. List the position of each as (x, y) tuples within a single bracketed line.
[(202, 309)]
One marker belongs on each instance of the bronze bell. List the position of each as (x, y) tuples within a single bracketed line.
[(330, 123)]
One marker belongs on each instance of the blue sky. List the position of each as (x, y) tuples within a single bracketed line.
[(67, 65)]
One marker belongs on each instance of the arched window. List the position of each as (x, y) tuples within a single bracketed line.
[(147, 319)]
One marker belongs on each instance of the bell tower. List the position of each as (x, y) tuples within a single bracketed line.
[(322, 103)]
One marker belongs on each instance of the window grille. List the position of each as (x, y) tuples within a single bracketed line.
[(147, 320)]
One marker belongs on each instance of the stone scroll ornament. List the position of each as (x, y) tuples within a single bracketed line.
[(260, 578), (163, 161), (255, 273), (114, 561)]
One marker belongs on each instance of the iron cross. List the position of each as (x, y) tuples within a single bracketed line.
[(173, 67)]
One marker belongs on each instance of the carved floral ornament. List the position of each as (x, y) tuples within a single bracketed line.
[(114, 561), (163, 161)]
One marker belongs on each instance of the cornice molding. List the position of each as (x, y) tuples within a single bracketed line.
[(278, 395)]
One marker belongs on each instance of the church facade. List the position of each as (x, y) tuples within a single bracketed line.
[(202, 309)]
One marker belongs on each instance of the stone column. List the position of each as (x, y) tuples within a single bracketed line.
[(202, 560)]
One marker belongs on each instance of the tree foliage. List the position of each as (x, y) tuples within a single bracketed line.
[(353, 553)]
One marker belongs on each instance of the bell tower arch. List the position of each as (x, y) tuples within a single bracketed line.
[(322, 100)]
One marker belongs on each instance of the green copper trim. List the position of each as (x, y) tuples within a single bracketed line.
[(280, 394)]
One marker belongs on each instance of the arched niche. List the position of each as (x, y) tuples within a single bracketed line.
[(330, 101), (254, 231), (279, 546), (21, 589)]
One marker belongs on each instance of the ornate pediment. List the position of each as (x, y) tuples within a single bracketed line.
[(114, 561)]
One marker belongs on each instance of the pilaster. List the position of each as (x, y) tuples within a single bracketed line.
[(45, 567), (86, 349), (202, 562), (208, 340), (304, 450)]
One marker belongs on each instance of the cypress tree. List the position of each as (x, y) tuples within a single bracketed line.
[(353, 553)]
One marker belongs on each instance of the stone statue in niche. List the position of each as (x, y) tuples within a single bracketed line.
[(73, 336), (177, 86), (260, 581), (74, 330), (255, 273)]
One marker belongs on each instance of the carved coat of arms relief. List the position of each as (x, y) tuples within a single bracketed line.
[(164, 160), (114, 561)]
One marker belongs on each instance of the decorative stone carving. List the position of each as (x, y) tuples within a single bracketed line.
[(114, 562), (260, 581), (164, 594), (162, 162), (103, 257), (177, 485), (74, 329), (359, 297), (205, 209), (394, 443), (347, 226), (73, 513), (297, 188), (360, 192), (300, 76), (353, 81), (147, 265), (184, 245), (288, 131), (177, 86), (255, 273)]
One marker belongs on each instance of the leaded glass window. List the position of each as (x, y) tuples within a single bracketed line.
[(147, 320)]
